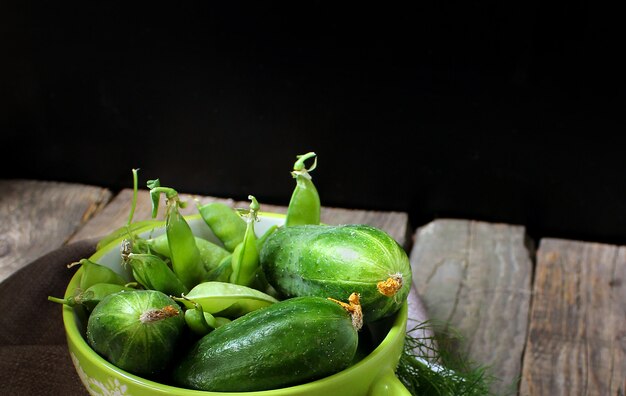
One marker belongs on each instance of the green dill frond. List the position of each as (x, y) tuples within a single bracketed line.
[(431, 365)]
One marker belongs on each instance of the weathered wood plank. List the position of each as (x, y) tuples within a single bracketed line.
[(577, 333), (40, 216), (116, 215), (475, 277)]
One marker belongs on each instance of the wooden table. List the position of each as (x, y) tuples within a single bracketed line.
[(548, 317)]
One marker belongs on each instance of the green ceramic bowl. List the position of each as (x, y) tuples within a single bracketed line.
[(372, 375)]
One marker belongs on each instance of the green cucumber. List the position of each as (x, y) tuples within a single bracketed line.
[(138, 330), (287, 343), (335, 261)]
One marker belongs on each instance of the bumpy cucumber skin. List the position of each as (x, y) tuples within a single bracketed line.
[(115, 332), (290, 342), (335, 261)]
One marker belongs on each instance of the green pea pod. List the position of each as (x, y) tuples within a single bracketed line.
[(225, 223), (304, 206), (226, 299), (92, 296), (245, 260), (198, 321), (221, 321), (210, 253), (153, 273), (186, 261), (260, 282), (94, 273), (203, 323), (222, 272)]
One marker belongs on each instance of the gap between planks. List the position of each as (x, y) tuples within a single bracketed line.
[(475, 277)]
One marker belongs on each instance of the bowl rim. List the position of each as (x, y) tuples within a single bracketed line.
[(74, 336)]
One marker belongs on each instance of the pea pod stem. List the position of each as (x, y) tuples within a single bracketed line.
[(66, 301), (130, 227), (133, 204), (170, 194), (92, 296), (299, 166)]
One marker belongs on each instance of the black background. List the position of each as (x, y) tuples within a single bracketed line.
[(497, 111)]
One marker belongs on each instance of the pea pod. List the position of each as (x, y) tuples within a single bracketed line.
[(153, 273), (222, 272), (226, 299), (201, 322), (221, 321), (210, 253), (186, 261), (94, 273), (304, 205), (198, 321), (92, 296), (245, 260), (225, 223)]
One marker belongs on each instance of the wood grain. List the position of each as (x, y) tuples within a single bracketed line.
[(40, 216), (475, 278), (116, 214), (577, 333)]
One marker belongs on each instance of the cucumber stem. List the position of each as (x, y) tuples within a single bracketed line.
[(353, 308), (390, 286)]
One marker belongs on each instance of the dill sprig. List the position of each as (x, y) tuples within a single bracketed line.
[(432, 364)]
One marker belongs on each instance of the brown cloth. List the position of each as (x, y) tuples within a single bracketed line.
[(34, 359)]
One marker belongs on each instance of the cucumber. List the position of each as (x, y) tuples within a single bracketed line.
[(137, 330), (287, 343), (335, 261)]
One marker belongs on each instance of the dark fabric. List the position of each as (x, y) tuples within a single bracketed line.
[(34, 359)]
